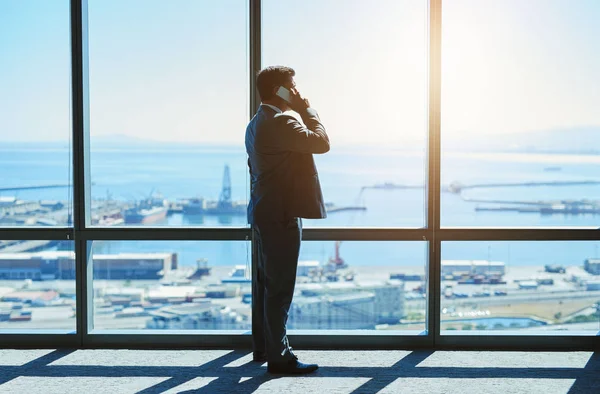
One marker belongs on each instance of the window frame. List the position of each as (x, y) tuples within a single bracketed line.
[(84, 337)]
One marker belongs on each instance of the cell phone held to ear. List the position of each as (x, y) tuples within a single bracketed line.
[(284, 94)]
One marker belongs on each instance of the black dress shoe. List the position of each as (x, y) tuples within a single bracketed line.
[(291, 367), (259, 357)]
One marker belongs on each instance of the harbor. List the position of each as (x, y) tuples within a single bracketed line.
[(208, 287), (159, 291), (152, 209), (541, 207), (153, 291)]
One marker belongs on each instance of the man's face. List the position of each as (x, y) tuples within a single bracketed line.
[(290, 84)]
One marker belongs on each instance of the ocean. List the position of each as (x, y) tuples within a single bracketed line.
[(132, 174)]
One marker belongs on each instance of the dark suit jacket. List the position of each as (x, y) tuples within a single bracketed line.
[(283, 175)]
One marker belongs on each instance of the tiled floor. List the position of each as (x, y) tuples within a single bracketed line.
[(225, 371)]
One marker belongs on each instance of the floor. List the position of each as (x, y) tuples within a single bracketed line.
[(226, 371)]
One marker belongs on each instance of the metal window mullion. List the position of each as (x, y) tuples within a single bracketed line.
[(244, 233), (365, 234), (255, 64), (164, 233), (434, 153), (517, 234), (37, 233), (255, 60), (80, 165)]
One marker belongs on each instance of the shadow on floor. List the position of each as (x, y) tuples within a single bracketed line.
[(229, 379)]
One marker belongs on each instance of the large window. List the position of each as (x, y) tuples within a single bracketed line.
[(37, 286), (461, 186), (171, 285), (168, 85), (368, 81), (35, 180), (363, 66), (206, 285), (361, 285), (520, 120), (512, 288)]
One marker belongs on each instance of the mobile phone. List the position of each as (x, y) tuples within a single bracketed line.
[(284, 94)]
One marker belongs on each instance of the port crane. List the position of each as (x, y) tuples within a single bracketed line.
[(337, 261), (225, 196)]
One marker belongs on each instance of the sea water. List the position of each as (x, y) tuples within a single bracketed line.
[(131, 174)]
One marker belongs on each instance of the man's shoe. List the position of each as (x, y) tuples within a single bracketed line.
[(259, 357), (291, 367)]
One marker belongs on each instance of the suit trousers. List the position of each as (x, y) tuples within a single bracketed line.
[(277, 246)]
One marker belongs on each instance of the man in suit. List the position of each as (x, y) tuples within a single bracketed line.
[(284, 188)]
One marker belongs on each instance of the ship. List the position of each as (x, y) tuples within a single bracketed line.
[(150, 210), (193, 206), (224, 206), (138, 215)]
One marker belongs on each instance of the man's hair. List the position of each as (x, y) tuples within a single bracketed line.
[(270, 78)]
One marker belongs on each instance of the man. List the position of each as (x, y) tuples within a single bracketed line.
[(284, 188)]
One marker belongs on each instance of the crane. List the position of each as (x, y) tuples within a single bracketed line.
[(225, 197)]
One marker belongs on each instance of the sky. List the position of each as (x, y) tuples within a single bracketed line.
[(177, 71)]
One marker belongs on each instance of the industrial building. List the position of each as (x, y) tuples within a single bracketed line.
[(347, 305), (133, 265), (592, 266), (472, 267), (52, 265), (198, 315), (345, 311), (592, 285)]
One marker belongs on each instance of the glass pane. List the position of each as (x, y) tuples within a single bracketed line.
[(522, 288), (361, 285), (520, 122), (363, 66), (168, 110), (35, 113), (205, 285), (171, 285), (37, 286)]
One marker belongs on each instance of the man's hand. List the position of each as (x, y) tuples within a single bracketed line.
[(298, 103)]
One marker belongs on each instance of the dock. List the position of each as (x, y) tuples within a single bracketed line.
[(332, 209), (564, 209), (35, 187), (457, 187), (393, 186)]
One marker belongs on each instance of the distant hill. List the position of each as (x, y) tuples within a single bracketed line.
[(580, 140), (576, 140), (122, 140)]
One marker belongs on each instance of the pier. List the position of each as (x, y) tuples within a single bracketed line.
[(332, 209), (457, 187), (544, 207), (35, 187), (392, 186), (548, 209), (509, 202)]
